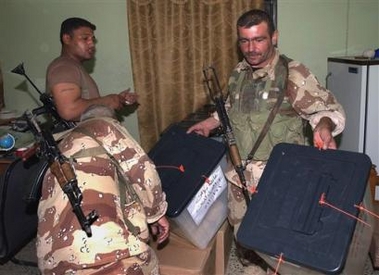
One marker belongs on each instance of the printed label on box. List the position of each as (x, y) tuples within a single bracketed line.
[(207, 195)]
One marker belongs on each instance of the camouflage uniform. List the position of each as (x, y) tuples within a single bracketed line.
[(62, 246), (252, 96)]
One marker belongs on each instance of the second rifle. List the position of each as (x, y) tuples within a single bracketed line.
[(217, 97)]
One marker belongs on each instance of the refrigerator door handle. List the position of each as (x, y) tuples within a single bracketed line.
[(327, 78)]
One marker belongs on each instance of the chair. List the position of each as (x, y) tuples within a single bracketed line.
[(19, 196)]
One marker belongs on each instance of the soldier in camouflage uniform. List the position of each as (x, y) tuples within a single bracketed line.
[(254, 87), (126, 203)]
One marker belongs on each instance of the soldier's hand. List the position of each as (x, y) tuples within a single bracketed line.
[(161, 229), (204, 127), (322, 134), (129, 97)]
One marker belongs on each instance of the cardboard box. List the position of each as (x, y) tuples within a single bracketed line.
[(181, 257), (374, 250), (374, 247)]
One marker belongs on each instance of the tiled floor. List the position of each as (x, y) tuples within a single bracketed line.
[(27, 254)]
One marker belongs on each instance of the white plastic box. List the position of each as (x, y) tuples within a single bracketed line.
[(206, 212)]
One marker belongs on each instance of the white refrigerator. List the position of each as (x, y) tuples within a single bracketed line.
[(355, 83)]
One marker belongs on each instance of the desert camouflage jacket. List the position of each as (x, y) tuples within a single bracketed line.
[(62, 246), (306, 95), (305, 99)]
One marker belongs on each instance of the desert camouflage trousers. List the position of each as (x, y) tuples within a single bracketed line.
[(236, 201), (143, 264), (253, 264)]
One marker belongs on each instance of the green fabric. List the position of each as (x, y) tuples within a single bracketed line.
[(251, 103)]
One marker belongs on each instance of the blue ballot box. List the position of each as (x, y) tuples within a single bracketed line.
[(191, 170), (306, 208)]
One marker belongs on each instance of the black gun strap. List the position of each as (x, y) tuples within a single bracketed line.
[(272, 114), (266, 127), (124, 185)]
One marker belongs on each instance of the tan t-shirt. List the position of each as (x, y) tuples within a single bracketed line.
[(66, 70)]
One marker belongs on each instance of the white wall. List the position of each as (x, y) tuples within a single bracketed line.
[(312, 30)]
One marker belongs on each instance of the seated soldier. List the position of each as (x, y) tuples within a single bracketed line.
[(120, 182)]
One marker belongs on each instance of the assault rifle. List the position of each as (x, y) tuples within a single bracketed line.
[(62, 169), (216, 95)]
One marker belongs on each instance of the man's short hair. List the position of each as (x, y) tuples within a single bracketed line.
[(255, 17), (73, 23)]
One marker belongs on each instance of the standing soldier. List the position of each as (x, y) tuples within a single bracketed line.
[(263, 78)]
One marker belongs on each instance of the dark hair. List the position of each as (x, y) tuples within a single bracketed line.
[(255, 17), (73, 23)]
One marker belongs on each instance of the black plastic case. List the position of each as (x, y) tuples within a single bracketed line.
[(286, 216)]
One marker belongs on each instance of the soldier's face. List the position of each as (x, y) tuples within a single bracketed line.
[(256, 44), (80, 44)]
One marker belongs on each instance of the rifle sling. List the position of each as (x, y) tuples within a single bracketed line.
[(266, 127), (271, 116), (89, 152)]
